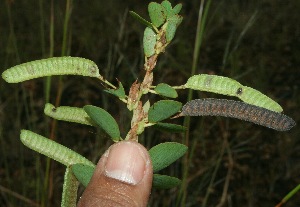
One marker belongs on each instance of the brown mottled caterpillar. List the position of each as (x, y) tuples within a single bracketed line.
[(49, 67), (239, 110), (230, 87)]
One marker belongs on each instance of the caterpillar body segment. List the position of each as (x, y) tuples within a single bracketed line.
[(254, 97), (70, 114), (70, 188), (227, 86), (238, 110), (214, 84), (49, 67), (52, 149)]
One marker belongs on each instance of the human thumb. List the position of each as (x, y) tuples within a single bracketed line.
[(123, 177)]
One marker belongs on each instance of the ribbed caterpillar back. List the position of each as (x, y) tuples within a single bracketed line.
[(238, 110)]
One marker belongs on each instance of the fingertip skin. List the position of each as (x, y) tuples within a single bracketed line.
[(107, 190)]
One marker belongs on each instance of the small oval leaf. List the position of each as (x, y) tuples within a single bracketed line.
[(104, 120), (140, 19), (163, 109), (166, 90), (49, 67), (162, 155), (167, 8), (119, 92), (165, 182), (83, 173), (172, 24), (177, 8), (156, 14), (70, 114), (174, 128), (149, 42)]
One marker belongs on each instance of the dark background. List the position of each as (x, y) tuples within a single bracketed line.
[(254, 42)]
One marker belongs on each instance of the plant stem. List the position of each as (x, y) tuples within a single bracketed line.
[(198, 41), (64, 51), (289, 195), (214, 174), (179, 87)]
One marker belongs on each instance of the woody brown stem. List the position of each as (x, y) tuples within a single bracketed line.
[(137, 90)]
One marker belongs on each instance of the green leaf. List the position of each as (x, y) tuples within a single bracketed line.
[(172, 24), (70, 114), (177, 8), (119, 92), (170, 127), (104, 120), (163, 109), (149, 42), (49, 67), (83, 173), (166, 90), (70, 188), (167, 8), (164, 181), (52, 149), (162, 155), (156, 14), (140, 19)]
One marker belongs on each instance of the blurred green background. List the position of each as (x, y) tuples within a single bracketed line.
[(230, 162)]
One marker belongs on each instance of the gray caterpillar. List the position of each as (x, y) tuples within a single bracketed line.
[(238, 110)]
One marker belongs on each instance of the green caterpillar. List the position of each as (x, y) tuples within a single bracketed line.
[(230, 87), (70, 188), (67, 113), (52, 149), (49, 67)]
